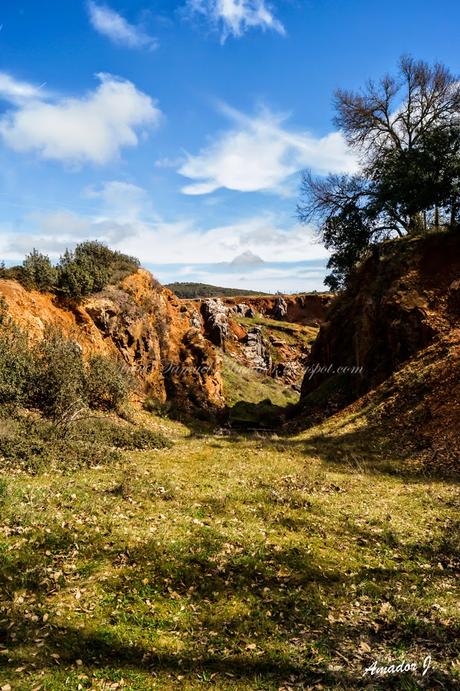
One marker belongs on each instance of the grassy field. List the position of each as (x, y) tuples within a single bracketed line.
[(230, 562)]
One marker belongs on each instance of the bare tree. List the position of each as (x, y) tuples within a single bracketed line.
[(406, 130), (397, 112)]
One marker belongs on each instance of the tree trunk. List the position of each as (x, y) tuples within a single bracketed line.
[(436, 217), (453, 212)]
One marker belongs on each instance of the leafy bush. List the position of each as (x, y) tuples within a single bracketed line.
[(33, 444), (108, 383), (38, 272), (74, 279), (90, 267), (37, 444), (58, 378), (51, 375), (154, 405), (16, 362)]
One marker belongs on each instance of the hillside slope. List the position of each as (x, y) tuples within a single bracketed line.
[(139, 321), (184, 289), (398, 328)]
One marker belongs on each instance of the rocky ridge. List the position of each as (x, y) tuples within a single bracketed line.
[(141, 322)]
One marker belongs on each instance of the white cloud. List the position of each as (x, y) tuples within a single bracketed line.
[(92, 128), (111, 24), (235, 17), (124, 219), (15, 91), (260, 153), (122, 200)]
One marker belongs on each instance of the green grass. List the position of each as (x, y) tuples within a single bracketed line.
[(230, 563), (244, 384), (291, 333)]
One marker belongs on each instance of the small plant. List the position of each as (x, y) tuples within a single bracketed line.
[(127, 437), (108, 383), (58, 381), (3, 491), (157, 407)]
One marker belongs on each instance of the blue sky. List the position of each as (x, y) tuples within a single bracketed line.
[(177, 130)]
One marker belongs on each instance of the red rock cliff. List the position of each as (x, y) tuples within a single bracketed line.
[(140, 321)]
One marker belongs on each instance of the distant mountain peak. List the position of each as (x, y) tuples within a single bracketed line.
[(247, 258)]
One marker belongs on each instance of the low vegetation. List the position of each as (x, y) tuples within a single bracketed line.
[(52, 377), (203, 290), (244, 384), (89, 268), (52, 405), (229, 563)]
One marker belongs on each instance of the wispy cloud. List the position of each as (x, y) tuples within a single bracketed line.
[(235, 17), (124, 216), (115, 27), (122, 200), (92, 128), (260, 153), (179, 249), (16, 91)]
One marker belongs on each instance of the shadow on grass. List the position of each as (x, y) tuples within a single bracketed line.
[(104, 651), (287, 595), (367, 449)]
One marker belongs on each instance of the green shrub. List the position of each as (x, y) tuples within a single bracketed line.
[(74, 280), (36, 445), (87, 269), (90, 268), (51, 375), (108, 383), (58, 379), (38, 272), (155, 406), (25, 452), (108, 265), (16, 362)]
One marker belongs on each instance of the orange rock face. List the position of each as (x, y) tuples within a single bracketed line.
[(139, 321)]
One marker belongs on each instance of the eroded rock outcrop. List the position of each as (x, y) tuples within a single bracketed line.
[(256, 351), (228, 324), (307, 309), (159, 337), (215, 321), (400, 300), (281, 309)]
